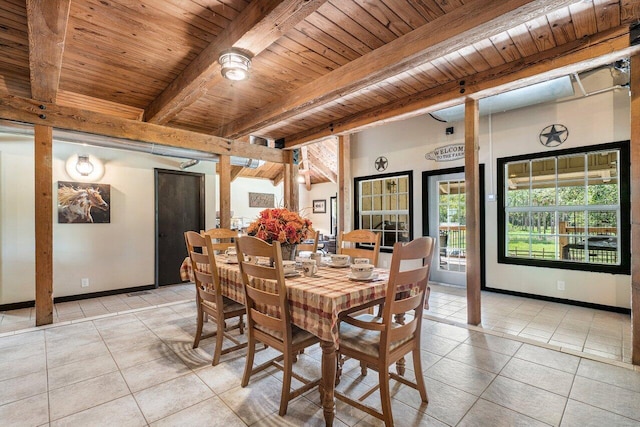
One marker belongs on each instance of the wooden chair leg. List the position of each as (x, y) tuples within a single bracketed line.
[(248, 366), (417, 368), (219, 342), (241, 325), (363, 368), (385, 397), (196, 341), (286, 383)]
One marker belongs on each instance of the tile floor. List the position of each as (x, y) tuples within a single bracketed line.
[(136, 367)]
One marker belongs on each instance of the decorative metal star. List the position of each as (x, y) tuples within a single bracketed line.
[(381, 163), (555, 135)]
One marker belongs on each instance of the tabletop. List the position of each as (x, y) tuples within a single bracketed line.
[(317, 301)]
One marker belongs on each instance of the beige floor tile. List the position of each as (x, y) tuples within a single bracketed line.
[(485, 413), (80, 371), (122, 412), (165, 399), (540, 376), (17, 367), (578, 414), (614, 375), (32, 411), (525, 399), (19, 388), (260, 398), (608, 397), (211, 412), (436, 344), (63, 355), (550, 358), (461, 376), (86, 394), (154, 372), (479, 357), (494, 343)]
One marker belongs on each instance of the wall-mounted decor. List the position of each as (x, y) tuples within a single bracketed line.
[(83, 203), (446, 153), (381, 163), (320, 206), (553, 135), (262, 200)]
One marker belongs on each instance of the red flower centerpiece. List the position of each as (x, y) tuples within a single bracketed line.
[(282, 225)]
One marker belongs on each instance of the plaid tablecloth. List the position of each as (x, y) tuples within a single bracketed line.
[(316, 302)]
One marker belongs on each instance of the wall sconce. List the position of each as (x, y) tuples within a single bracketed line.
[(235, 65), (84, 168), (301, 179)]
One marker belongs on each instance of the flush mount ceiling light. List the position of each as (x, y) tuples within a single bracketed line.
[(235, 65), (84, 166)]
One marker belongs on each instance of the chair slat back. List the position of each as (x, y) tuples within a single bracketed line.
[(204, 267), (266, 309), (348, 241), (221, 238), (417, 252), (313, 247)]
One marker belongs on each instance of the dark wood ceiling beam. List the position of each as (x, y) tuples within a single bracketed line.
[(475, 21), (43, 113), (47, 26), (579, 55), (260, 24)]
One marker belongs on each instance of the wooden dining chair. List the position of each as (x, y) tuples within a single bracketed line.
[(269, 316), (310, 246), (209, 298), (221, 238), (347, 244), (379, 342)]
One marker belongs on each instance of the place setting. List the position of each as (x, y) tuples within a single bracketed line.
[(362, 271), (338, 261)]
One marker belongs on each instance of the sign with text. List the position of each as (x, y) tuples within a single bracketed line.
[(446, 153)]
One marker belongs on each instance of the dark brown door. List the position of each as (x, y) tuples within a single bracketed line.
[(179, 207)]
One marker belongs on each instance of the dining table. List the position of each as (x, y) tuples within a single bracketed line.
[(317, 303)]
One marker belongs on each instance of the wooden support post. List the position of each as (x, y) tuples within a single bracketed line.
[(43, 157), (635, 209), (344, 183), (224, 171), (472, 192), (291, 186)]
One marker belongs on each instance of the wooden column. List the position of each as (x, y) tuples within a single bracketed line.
[(44, 224), (224, 171), (472, 191), (291, 186), (635, 209), (344, 183)]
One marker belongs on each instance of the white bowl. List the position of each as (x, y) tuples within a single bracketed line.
[(338, 259), (361, 271)]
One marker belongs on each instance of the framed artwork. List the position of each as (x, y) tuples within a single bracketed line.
[(84, 203), (320, 206), (262, 200)]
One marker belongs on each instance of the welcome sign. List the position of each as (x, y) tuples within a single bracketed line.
[(446, 153)]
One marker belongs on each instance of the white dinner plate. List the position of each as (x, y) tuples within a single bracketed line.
[(332, 265), (292, 274), (231, 260), (373, 277)]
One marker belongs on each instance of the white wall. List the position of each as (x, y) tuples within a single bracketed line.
[(113, 256), (240, 189), (593, 120), (323, 191)]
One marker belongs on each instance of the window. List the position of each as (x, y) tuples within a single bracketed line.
[(384, 204), (567, 210)]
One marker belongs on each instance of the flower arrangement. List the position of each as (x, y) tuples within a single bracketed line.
[(280, 224)]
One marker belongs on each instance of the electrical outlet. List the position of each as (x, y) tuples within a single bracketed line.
[(84, 282), (561, 285)]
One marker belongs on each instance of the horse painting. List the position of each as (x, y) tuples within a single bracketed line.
[(75, 202)]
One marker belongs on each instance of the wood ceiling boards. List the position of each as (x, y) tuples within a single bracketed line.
[(320, 68)]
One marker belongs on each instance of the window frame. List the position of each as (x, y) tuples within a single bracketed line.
[(356, 202), (624, 170)]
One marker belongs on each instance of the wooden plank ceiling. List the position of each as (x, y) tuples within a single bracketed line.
[(319, 67)]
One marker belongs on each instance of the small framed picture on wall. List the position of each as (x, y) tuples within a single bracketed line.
[(320, 206)]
